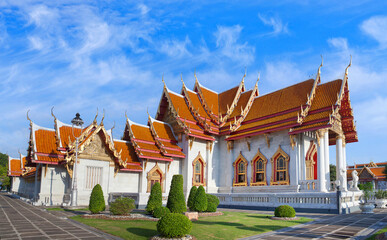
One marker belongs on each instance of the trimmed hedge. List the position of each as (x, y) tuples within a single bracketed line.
[(122, 206), (155, 199), (285, 211), (176, 199), (97, 201), (212, 203), (200, 202), (174, 225), (160, 212), (191, 197)]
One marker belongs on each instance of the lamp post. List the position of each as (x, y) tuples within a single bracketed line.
[(77, 121)]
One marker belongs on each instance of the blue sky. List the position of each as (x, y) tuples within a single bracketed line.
[(80, 55)]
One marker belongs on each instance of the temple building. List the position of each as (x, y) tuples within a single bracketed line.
[(370, 172), (250, 150)]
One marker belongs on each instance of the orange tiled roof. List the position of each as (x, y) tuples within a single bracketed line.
[(242, 102), (46, 148), (226, 98), (66, 132), (128, 154), (15, 167), (211, 99), (164, 131)]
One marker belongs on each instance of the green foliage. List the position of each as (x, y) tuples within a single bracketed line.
[(212, 203), (367, 188), (155, 198), (332, 172), (380, 194), (122, 206), (160, 212), (191, 197), (97, 202), (174, 225), (3, 159), (285, 211), (5, 182), (200, 201), (176, 199)]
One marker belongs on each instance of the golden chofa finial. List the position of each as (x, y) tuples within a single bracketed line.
[(103, 117), (319, 70), (181, 79), (114, 125), (126, 115), (28, 118), (149, 117), (95, 118), (52, 112), (162, 79), (346, 70)]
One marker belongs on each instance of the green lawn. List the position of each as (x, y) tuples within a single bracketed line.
[(231, 225), (378, 232)]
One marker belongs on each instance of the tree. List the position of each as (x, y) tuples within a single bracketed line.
[(155, 198), (4, 179), (176, 199), (332, 172), (200, 202), (191, 197), (97, 201)]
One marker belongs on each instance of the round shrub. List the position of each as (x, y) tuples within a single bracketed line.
[(160, 212), (122, 206), (200, 202), (176, 199), (212, 203), (174, 225), (285, 211), (191, 197), (97, 201), (155, 198)]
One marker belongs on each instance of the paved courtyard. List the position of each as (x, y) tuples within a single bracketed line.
[(19, 220)]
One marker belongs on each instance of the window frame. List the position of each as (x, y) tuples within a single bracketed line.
[(151, 178), (202, 182), (258, 157), (310, 164), (273, 161), (240, 160)]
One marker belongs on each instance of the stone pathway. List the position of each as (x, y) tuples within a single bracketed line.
[(19, 220), (349, 226)]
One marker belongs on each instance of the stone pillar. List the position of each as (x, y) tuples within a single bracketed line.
[(208, 165), (321, 163), (339, 162), (326, 155), (344, 171)]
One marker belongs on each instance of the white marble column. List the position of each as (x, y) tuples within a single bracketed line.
[(339, 162), (321, 164), (344, 171), (326, 155), (208, 165)]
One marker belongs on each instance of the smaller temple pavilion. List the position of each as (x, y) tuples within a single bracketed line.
[(370, 172)]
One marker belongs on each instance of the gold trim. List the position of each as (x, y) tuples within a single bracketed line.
[(273, 171), (258, 156), (235, 165), (204, 165), (149, 177)]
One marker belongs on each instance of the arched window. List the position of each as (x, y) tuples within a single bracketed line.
[(311, 162), (280, 168), (155, 175), (240, 171), (198, 171), (258, 176)]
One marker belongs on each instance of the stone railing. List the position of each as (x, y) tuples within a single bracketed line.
[(312, 200), (308, 186)]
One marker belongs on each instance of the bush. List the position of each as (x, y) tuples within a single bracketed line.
[(212, 203), (285, 211), (191, 197), (200, 202), (160, 212), (122, 206), (155, 198), (174, 225), (97, 202), (176, 199)]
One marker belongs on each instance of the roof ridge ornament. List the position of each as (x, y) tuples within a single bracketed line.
[(52, 112), (28, 118), (95, 118), (103, 117)]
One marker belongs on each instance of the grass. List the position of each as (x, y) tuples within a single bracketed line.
[(378, 232), (231, 225)]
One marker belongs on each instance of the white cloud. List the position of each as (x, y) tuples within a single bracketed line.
[(276, 24), (282, 73), (371, 116), (375, 27), (143, 9), (227, 41), (175, 48), (339, 43)]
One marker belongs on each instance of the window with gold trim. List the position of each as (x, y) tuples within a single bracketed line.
[(258, 176), (198, 166), (280, 168), (240, 171), (155, 175), (311, 162)]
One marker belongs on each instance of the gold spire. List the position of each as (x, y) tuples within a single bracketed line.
[(95, 118), (162, 79), (346, 70), (52, 112), (318, 76), (103, 117), (181, 79), (28, 118)]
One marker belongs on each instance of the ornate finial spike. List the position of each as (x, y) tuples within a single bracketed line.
[(95, 118), (52, 112), (126, 115), (245, 72), (162, 79), (28, 118), (346, 70), (114, 125), (322, 60), (103, 116), (181, 79)]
